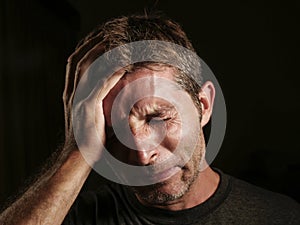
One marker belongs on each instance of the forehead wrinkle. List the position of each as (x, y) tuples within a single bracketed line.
[(153, 86), (153, 76), (150, 108)]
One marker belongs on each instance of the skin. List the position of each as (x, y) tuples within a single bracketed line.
[(48, 200), (52, 195), (189, 186)]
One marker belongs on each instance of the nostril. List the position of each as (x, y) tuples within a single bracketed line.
[(145, 158), (153, 158)]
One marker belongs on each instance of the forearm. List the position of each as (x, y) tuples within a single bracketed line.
[(48, 200)]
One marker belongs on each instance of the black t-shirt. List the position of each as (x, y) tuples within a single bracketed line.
[(234, 202)]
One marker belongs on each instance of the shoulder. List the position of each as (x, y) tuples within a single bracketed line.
[(90, 206), (244, 191), (262, 204), (105, 193)]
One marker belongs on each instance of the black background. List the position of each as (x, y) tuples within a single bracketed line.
[(251, 46)]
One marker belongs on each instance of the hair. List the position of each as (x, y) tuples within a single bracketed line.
[(126, 29)]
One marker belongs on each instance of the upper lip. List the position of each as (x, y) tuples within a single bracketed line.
[(162, 175)]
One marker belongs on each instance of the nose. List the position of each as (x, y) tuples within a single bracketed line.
[(146, 150), (143, 157), (146, 140)]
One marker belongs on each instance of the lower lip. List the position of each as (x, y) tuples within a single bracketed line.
[(162, 176)]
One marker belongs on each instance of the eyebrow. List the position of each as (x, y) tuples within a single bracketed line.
[(151, 110)]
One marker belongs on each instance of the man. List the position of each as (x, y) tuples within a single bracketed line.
[(159, 111)]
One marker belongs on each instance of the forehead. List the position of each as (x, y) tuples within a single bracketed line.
[(149, 85), (153, 72)]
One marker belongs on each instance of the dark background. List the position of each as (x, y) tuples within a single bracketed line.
[(251, 46)]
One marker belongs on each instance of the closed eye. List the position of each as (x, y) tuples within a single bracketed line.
[(157, 119)]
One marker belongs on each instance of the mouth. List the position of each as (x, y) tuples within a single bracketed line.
[(164, 175)]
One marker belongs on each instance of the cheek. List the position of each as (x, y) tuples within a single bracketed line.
[(109, 100), (107, 107), (107, 112), (172, 136), (119, 151), (186, 142)]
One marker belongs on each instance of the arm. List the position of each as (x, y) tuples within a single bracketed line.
[(49, 199)]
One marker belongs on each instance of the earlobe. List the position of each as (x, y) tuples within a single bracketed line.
[(206, 97)]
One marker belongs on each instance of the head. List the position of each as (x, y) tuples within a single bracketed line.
[(152, 114)]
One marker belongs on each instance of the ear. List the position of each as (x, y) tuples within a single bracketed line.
[(207, 97)]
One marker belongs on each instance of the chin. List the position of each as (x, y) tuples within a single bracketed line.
[(165, 192)]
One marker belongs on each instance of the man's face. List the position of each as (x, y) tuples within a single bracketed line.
[(156, 126)]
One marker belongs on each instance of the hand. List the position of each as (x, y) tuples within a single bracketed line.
[(87, 118), (89, 121)]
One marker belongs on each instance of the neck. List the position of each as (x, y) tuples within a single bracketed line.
[(202, 189)]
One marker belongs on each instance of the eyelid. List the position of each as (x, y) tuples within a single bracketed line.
[(160, 119)]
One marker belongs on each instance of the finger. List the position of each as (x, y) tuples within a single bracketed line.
[(109, 83), (102, 89), (72, 76), (82, 65), (100, 94)]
